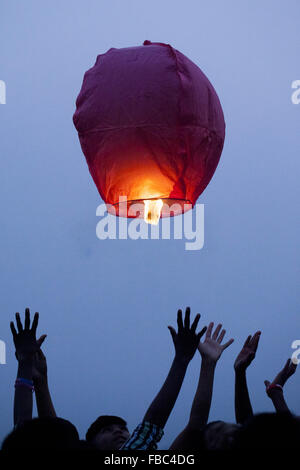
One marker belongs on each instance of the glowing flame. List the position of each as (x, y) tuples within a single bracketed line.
[(152, 211)]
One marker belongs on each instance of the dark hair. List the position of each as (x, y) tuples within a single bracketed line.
[(100, 423), (42, 433), (269, 431)]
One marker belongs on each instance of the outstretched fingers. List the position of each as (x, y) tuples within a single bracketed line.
[(253, 343), (246, 343), (35, 322), (195, 323), (41, 340), (290, 367), (209, 329), (179, 320), (27, 319), (187, 318), (19, 323), (221, 337), (218, 336), (226, 345), (199, 335), (217, 331), (13, 330)]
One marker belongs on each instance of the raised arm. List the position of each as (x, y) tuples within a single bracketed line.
[(274, 389), (26, 347), (243, 408), (40, 380), (186, 340), (211, 350)]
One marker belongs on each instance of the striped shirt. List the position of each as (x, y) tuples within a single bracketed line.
[(144, 437)]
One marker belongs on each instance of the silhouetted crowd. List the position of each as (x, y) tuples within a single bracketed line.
[(277, 430)]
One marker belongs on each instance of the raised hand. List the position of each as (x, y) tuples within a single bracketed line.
[(288, 370), (185, 342), (25, 338), (211, 348), (247, 353), (186, 339)]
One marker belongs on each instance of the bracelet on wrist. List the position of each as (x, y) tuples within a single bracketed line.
[(20, 382), (273, 387)]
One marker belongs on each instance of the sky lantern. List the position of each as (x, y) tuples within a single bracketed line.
[(151, 127)]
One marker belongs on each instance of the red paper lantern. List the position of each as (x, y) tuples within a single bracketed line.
[(151, 127)]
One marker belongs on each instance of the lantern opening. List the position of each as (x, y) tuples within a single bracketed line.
[(152, 210), (137, 208)]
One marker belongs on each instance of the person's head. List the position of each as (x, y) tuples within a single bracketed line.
[(269, 431), (108, 433), (219, 435), (42, 433)]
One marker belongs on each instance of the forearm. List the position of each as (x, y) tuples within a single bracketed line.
[(279, 402), (189, 439), (43, 398), (161, 407), (202, 401), (23, 395), (243, 408)]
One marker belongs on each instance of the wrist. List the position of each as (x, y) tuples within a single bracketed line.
[(25, 370), (24, 383), (181, 360), (240, 371), (209, 362), (274, 389), (25, 359)]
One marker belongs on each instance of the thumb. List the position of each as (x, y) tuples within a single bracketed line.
[(173, 332), (199, 335), (41, 340), (267, 383)]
